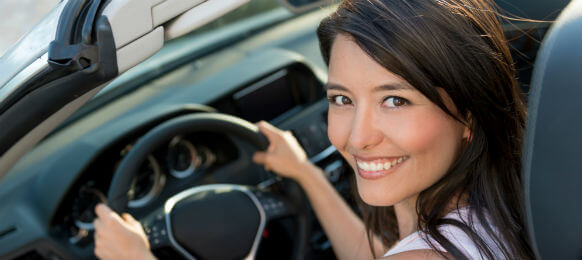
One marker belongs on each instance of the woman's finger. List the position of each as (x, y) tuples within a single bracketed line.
[(97, 252), (97, 226), (100, 211), (128, 218), (104, 212), (271, 132), (107, 215), (259, 157)]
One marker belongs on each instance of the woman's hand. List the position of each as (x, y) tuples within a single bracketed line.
[(119, 237), (284, 156)]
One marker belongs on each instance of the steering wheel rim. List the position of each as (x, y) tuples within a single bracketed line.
[(118, 198)]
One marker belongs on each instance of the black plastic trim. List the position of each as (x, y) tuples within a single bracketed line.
[(71, 74)]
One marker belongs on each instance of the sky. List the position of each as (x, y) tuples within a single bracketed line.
[(18, 17)]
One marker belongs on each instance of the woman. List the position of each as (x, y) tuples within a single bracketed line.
[(425, 107)]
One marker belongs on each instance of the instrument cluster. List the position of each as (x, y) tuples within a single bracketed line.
[(182, 161)]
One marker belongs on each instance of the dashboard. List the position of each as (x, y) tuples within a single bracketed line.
[(71, 170), (290, 97)]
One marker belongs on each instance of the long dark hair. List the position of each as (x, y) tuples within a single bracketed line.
[(459, 46)]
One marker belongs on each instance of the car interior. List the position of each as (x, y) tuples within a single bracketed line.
[(171, 140)]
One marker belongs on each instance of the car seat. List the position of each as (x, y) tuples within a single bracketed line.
[(552, 160)]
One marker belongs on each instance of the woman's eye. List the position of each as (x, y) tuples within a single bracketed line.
[(395, 102), (340, 100)]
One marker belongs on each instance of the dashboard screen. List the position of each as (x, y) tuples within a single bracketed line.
[(265, 99)]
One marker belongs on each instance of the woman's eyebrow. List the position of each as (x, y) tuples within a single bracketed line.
[(393, 86), (333, 86), (390, 86)]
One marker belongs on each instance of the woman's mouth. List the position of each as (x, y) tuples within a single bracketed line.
[(378, 168)]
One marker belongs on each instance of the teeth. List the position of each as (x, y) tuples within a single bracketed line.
[(370, 166)]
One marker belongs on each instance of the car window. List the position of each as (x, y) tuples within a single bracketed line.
[(252, 8)]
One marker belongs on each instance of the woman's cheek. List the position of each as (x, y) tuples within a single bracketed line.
[(419, 132), (338, 128), (433, 142)]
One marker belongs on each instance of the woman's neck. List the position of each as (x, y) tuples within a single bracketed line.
[(406, 216)]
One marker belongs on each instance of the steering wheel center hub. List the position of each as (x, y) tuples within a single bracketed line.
[(216, 221)]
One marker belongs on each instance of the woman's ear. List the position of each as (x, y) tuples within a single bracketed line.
[(467, 133)]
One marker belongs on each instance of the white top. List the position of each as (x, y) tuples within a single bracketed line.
[(416, 240)]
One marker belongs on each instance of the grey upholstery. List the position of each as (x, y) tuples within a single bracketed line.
[(553, 143)]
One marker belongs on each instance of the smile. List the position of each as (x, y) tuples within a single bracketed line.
[(378, 168)]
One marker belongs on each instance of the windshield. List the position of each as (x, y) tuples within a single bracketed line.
[(19, 21), (253, 8), (220, 33), (233, 26), (19, 17), (32, 46), (242, 21)]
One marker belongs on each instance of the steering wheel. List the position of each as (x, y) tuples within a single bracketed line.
[(190, 221)]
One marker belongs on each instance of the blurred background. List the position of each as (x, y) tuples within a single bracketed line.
[(19, 16)]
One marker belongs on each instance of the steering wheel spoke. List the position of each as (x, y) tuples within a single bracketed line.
[(156, 229), (274, 205)]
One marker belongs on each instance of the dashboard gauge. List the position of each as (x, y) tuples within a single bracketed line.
[(182, 158), (147, 183), (207, 157), (83, 211)]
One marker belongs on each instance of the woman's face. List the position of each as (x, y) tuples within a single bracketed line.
[(397, 141)]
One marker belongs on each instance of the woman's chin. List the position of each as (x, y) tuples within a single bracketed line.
[(374, 196)]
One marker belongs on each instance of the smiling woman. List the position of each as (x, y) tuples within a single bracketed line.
[(395, 137), (420, 103), (425, 107)]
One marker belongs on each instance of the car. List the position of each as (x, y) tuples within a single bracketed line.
[(149, 106)]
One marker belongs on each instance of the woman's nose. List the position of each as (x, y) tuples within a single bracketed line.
[(365, 133)]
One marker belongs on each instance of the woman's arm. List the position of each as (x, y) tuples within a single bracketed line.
[(343, 227), (122, 237)]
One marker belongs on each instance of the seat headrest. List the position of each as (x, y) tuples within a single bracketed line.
[(553, 142)]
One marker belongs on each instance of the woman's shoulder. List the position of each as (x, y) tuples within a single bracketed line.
[(456, 235)]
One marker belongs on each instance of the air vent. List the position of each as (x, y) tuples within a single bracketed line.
[(8, 231)]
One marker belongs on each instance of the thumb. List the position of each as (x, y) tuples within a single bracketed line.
[(271, 132), (103, 211)]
